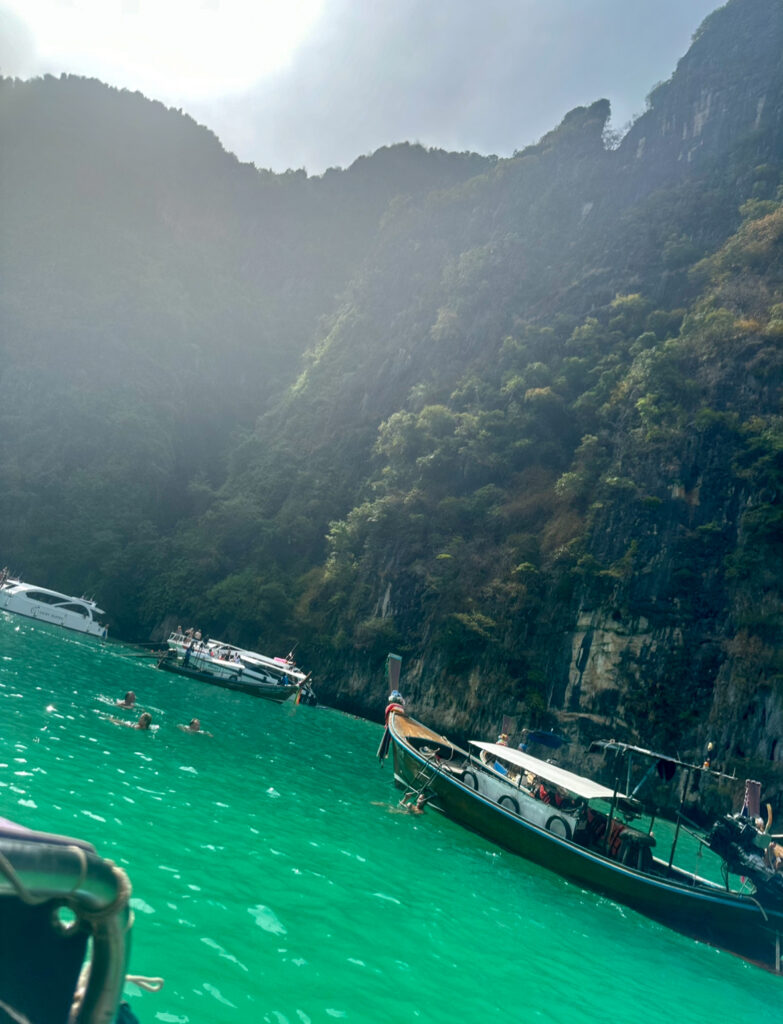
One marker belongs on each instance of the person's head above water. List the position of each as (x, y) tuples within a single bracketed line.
[(144, 721)]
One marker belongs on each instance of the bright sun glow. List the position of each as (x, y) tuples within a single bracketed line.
[(168, 48)]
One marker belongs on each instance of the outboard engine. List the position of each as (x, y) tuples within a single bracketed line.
[(735, 840)]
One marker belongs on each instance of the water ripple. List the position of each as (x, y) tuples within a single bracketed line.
[(273, 886)]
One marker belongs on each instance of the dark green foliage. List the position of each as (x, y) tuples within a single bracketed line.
[(440, 403)]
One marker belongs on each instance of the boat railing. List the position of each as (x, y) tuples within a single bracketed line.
[(277, 668), (690, 878), (277, 665)]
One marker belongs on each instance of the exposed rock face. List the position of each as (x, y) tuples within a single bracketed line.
[(603, 649), (664, 643), (726, 89)]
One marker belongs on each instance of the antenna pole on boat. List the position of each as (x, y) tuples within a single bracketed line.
[(613, 808), (685, 785), (644, 779)]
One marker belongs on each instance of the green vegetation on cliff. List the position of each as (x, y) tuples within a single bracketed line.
[(519, 420)]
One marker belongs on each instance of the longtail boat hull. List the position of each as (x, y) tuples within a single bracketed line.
[(733, 921)]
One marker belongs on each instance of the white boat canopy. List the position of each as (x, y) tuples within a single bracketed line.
[(568, 781)]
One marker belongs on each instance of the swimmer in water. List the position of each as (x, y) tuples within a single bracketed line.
[(194, 726), (144, 722), (414, 807), (128, 701)]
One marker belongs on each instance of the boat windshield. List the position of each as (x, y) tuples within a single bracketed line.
[(576, 784)]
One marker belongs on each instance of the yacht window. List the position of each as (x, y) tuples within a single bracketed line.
[(79, 609), (39, 595)]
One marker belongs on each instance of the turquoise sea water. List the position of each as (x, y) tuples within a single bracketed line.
[(272, 881)]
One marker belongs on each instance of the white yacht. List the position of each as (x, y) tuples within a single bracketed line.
[(76, 613)]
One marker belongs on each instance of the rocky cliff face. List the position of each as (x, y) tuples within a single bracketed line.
[(541, 429), (725, 92), (666, 626)]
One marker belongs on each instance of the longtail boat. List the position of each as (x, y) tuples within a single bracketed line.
[(584, 831)]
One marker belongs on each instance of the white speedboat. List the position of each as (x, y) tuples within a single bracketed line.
[(235, 668), (76, 613)]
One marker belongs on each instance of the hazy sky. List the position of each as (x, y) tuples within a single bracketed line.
[(316, 83)]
